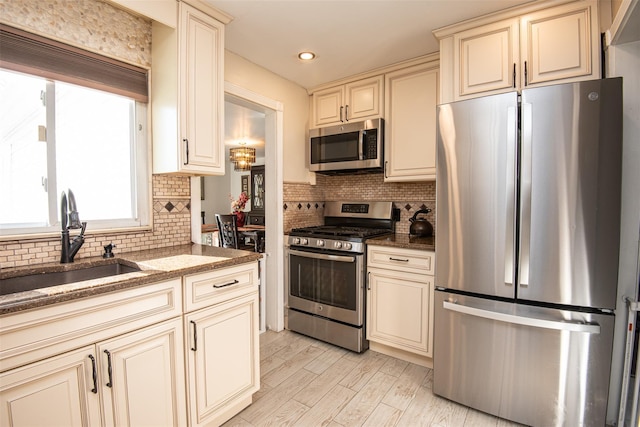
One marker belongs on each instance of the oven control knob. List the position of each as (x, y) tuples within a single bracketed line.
[(338, 245), (320, 242), (296, 240), (304, 242), (347, 245)]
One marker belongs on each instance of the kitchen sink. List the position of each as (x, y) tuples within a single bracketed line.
[(45, 279)]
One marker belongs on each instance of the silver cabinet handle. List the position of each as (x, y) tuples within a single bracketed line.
[(525, 321), (398, 259), (346, 113), (341, 109)]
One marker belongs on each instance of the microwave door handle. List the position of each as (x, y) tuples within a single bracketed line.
[(361, 144)]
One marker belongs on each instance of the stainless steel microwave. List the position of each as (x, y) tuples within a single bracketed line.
[(348, 148)]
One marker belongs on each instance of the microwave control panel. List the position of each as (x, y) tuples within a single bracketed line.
[(371, 144)]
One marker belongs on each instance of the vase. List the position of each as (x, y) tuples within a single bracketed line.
[(240, 217)]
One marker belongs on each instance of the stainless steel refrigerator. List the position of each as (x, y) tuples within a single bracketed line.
[(528, 212)]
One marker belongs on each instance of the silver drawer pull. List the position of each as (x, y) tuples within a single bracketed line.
[(398, 259), (226, 284)]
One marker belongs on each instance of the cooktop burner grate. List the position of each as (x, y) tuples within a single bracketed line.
[(332, 230)]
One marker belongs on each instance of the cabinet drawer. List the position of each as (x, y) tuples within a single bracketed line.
[(36, 334), (409, 260), (205, 289)]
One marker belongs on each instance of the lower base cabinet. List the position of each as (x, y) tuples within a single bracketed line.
[(223, 363), (400, 289), (399, 307), (141, 375), (120, 359), (54, 392), (134, 379)]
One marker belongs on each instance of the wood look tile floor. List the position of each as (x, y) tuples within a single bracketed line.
[(305, 382)]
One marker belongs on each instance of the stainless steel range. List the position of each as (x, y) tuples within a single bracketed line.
[(324, 271)]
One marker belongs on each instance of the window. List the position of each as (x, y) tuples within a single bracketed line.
[(55, 136)]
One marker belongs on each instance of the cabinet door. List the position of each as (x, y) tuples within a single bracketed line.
[(400, 310), (410, 129), (142, 377), (559, 44), (328, 106), (486, 59), (201, 91), (223, 361), (364, 98), (54, 392)]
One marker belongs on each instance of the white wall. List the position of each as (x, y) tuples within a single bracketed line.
[(624, 60), (218, 188), (295, 101)]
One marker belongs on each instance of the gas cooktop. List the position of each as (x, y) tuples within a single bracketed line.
[(338, 231), (347, 226)]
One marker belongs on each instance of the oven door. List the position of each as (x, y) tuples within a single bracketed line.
[(327, 285)]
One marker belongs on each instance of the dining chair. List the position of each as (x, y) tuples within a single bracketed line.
[(228, 233)]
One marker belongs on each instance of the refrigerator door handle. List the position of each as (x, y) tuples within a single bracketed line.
[(525, 196), (525, 321), (510, 196)]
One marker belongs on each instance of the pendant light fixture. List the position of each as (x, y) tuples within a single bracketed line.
[(242, 157)]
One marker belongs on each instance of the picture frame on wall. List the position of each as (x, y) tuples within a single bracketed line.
[(244, 184)]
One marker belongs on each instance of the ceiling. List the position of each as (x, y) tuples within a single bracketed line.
[(348, 37)]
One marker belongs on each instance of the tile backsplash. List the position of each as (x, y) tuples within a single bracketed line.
[(304, 203)]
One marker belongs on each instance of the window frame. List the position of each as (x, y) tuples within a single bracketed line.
[(112, 79)]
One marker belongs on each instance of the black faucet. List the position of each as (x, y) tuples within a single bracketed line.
[(70, 221)]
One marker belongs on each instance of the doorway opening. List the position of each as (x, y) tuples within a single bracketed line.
[(273, 214)]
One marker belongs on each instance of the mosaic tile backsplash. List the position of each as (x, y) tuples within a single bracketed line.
[(304, 204)]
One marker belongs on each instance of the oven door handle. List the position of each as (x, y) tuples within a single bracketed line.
[(326, 257)]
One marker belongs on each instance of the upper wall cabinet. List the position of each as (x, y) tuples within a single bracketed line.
[(411, 96), (188, 94), (358, 100), (503, 52)]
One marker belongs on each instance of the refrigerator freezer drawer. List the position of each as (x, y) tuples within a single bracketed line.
[(533, 365)]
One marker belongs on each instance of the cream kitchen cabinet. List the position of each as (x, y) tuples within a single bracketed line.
[(486, 59), (56, 392), (141, 376), (357, 100), (411, 96), (134, 379), (400, 289), (187, 94), (537, 47), (51, 359), (223, 358)]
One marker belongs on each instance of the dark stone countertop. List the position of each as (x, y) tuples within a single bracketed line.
[(405, 241), (155, 265)]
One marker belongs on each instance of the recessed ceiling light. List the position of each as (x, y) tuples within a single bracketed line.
[(306, 56)]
